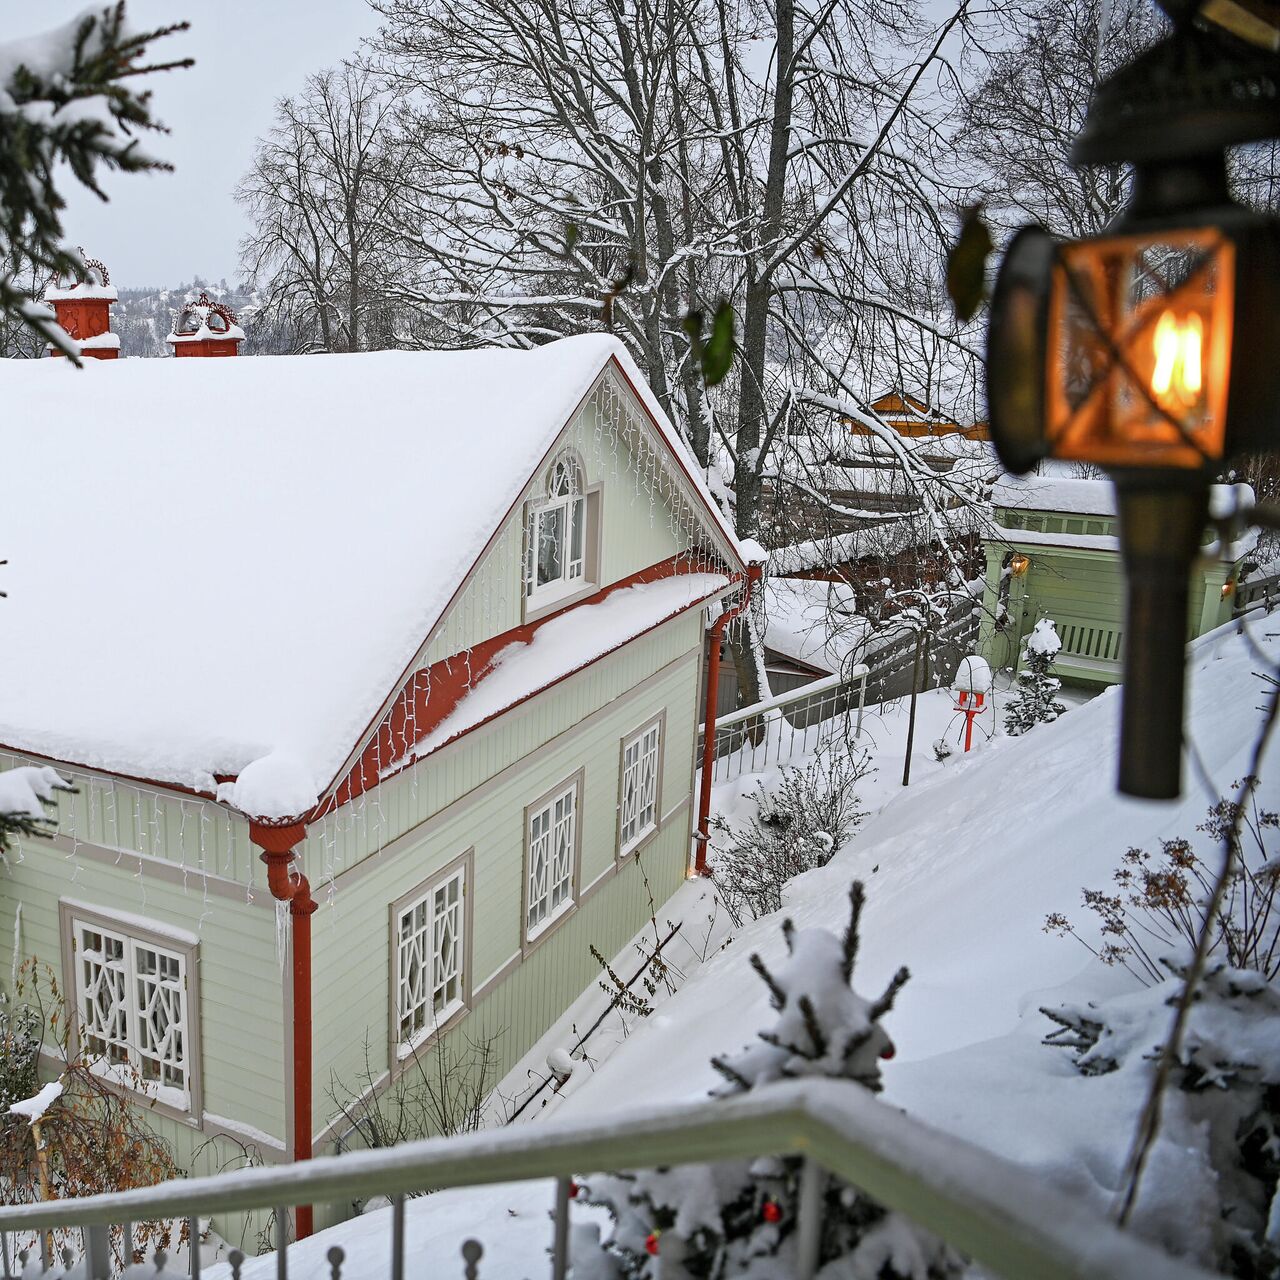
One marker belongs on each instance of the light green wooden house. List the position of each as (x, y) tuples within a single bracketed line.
[(377, 677), (1053, 552)]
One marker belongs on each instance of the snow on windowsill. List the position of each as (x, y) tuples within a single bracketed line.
[(442, 1022), (541, 599), (127, 1078), (545, 926)]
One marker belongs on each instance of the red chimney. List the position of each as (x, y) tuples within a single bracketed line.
[(84, 311), (206, 328)]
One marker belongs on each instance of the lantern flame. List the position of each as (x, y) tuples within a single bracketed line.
[(1176, 380)]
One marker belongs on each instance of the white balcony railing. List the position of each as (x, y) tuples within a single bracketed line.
[(987, 1208), (789, 724)]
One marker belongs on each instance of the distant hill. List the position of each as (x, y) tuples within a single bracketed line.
[(143, 317)]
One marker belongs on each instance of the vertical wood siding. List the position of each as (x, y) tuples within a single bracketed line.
[(640, 526), (203, 837)]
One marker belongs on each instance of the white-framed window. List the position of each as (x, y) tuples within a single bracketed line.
[(431, 955), (639, 799), (557, 534), (133, 1004), (551, 856)]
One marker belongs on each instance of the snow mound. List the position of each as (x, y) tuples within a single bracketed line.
[(1044, 638), (23, 790), (32, 1109)]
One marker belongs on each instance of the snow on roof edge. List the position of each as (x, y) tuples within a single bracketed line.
[(165, 757)]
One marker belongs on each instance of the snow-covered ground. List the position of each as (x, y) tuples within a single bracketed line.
[(961, 869)]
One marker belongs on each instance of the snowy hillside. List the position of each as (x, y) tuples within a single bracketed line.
[(961, 870)]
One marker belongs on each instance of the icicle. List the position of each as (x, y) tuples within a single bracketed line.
[(17, 946), (282, 933)]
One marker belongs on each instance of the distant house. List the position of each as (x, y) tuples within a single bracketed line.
[(912, 418), (1053, 552), (378, 679)]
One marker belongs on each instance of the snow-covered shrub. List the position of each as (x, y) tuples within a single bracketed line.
[(738, 1218), (95, 1133), (1224, 1117), (1035, 701), (798, 825), (1161, 901)]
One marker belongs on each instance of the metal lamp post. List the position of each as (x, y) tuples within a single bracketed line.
[(1153, 349)]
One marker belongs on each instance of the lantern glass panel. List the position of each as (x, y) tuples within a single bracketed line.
[(1140, 349)]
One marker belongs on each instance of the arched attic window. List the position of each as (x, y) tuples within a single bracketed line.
[(558, 535)]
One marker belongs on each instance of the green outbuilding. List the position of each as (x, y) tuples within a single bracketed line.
[(1052, 551)]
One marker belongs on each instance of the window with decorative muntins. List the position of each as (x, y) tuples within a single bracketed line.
[(431, 960), (557, 536), (132, 1001), (639, 801), (550, 859)]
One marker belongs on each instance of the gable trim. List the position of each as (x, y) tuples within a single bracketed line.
[(612, 366), (432, 693)]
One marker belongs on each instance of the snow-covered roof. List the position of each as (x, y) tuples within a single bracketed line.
[(84, 292), (217, 562), (812, 621), (1055, 493)]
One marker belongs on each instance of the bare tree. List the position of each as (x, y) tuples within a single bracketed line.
[(632, 164), (1031, 102), (320, 195)]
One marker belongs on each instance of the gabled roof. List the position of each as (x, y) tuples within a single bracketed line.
[(216, 563)]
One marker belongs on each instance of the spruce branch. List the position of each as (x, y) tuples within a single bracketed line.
[(730, 1074), (885, 1003), (777, 997), (857, 899), (855, 1042), (817, 1036)]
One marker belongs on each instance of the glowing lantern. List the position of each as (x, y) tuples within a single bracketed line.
[(1151, 349)]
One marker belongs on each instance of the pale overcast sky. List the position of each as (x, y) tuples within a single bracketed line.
[(163, 229)]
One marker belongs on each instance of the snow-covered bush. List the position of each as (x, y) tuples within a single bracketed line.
[(798, 825), (1160, 902), (738, 1218), (1035, 700), (1224, 1119), (94, 1133)]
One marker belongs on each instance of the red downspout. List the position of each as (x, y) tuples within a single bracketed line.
[(703, 834), (291, 886)]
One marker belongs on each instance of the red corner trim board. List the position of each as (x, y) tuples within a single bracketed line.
[(431, 693)]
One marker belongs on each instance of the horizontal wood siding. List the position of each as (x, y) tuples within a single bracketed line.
[(241, 1005), (340, 840), (352, 930)]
